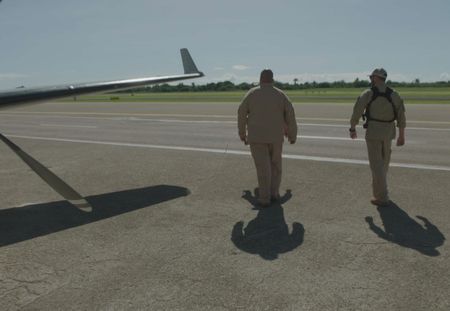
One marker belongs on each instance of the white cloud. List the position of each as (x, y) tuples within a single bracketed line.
[(332, 77), (445, 76), (236, 77), (233, 77), (11, 76), (250, 77), (240, 67), (218, 68), (321, 77), (12, 80)]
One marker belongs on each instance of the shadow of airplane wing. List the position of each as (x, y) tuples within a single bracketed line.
[(24, 223)]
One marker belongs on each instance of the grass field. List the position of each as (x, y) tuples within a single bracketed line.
[(420, 95)]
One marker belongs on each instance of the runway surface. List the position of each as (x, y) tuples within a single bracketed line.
[(174, 227)]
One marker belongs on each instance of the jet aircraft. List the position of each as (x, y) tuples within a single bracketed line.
[(24, 95)]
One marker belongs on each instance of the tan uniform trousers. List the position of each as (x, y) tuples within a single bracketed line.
[(379, 157), (267, 159)]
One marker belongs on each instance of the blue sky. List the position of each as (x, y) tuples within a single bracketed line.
[(54, 41)]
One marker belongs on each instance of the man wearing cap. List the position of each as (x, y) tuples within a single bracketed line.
[(267, 114), (381, 106)]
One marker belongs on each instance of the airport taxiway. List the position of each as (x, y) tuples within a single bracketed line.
[(174, 228)]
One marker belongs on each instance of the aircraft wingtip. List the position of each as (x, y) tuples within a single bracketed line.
[(188, 63), (82, 205)]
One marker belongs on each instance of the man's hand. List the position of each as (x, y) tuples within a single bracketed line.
[(400, 140), (401, 136), (243, 137), (353, 134)]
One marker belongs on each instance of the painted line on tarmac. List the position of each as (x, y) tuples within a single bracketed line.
[(235, 122), (360, 127), (129, 117), (179, 121), (330, 138), (69, 126), (84, 113), (188, 115), (348, 120), (236, 152)]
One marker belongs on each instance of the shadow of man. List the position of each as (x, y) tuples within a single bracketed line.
[(268, 234), (403, 230)]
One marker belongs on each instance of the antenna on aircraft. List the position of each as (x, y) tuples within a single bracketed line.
[(50, 178)]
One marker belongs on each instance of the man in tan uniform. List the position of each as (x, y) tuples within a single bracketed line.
[(266, 113), (381, 106)]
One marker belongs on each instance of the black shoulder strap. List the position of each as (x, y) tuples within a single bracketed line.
[(375, 94), (388, 95), (389, 92)]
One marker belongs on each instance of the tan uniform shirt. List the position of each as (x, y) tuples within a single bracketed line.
[(380, 109), (264, 112)]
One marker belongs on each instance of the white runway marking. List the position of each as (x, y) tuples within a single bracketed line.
[(330, 138), (70, 126), (235, 122), (359, 127), (139, 117), (236, 152), (180, 121), (61, 113)]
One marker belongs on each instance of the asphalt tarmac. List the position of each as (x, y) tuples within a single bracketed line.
[(174, 226)]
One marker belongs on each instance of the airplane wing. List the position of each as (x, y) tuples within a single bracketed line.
[(55, 92)]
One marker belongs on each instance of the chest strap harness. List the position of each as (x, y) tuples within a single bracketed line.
[(376, 93)]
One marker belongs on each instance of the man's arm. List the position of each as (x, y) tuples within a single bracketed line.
[(401, 136), (401, 122), (358, 109), (291, 121), (242, 118)]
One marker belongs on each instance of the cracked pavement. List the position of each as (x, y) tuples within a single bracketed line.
[(177, 230)]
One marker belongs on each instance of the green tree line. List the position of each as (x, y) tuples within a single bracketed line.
[(230, 86)]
